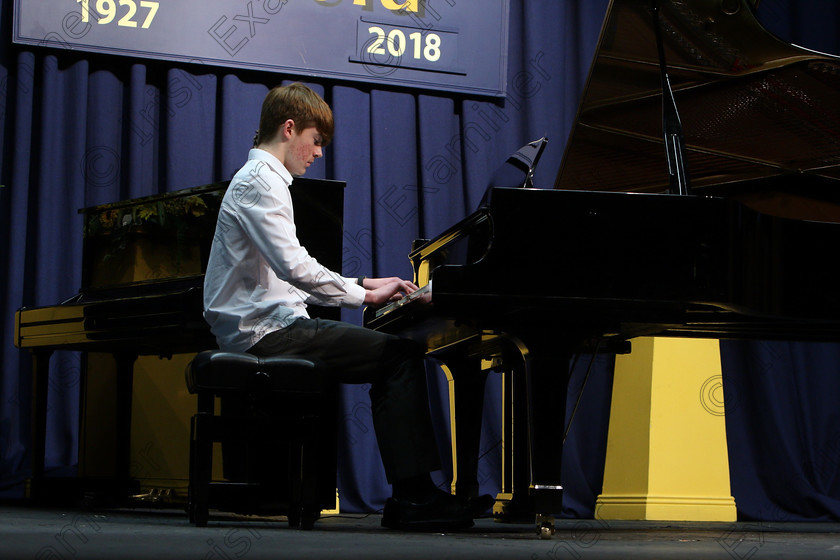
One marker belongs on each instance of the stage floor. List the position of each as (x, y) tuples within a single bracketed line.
[(53, 533)]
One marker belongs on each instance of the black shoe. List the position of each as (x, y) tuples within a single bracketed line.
[(441, 513), (478, 505)]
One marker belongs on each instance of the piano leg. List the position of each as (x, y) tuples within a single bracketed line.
[(40, 386), (466, 394), (534, 404), (513, 503), (122, 445), (547, 380)]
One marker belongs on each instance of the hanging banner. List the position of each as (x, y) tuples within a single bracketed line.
[(450, 45)]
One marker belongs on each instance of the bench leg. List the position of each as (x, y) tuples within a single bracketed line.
[(201, 469), (305, 508)]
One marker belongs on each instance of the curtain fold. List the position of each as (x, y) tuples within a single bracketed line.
[(81, 130)]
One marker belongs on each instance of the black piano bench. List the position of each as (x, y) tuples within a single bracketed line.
[(296, 382)]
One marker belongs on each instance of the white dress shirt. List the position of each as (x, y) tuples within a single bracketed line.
[(259, 278)]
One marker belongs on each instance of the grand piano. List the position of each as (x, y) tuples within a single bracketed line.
[(697, 196)]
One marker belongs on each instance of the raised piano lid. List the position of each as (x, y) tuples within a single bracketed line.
[(761, 117)]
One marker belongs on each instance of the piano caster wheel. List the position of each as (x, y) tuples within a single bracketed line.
[(545, 526)]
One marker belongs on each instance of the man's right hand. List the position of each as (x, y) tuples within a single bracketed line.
[(379, 291)]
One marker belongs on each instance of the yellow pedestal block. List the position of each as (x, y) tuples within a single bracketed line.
[(666, 448)]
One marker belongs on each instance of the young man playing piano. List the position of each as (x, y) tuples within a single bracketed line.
[(260, 279)]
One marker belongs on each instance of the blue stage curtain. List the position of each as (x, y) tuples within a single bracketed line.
[(783, 429), (80, 130)]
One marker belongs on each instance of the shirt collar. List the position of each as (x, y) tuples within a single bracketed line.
[(273, 162)]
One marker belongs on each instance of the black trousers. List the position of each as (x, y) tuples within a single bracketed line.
[(395, 369)]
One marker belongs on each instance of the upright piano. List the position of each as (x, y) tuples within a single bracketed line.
[(142, 278), (608, 253)]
